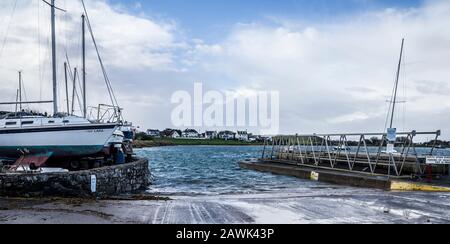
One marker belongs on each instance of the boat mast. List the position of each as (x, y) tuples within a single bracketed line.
[(394, 101), (20, 91), (55, 89), (17, 99), (83, 31), (74, 89), (67, 88)]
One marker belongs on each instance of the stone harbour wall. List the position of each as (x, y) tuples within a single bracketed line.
[(111, 181)]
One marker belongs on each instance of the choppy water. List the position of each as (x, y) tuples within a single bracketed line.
[(212, 170)]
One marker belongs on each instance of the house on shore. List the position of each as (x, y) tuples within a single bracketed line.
[(243, 136), (171, 133), (211, 135), (190, 133), (255, 138), (154, 133), (227, 135)]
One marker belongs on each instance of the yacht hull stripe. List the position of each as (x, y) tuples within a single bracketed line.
[(53, 129)]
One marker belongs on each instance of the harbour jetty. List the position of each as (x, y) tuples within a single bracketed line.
[(332, 159)]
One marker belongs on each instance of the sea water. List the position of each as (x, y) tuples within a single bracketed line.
[(214, 170)]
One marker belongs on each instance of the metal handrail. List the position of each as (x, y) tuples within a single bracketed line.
[(319, 150)]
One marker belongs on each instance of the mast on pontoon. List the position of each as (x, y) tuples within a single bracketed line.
[(394, 101)]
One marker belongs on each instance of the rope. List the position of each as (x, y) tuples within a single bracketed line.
[(39, 48), (105, 75), (3, 18), (69, 67), (5, 40), (389, 109)]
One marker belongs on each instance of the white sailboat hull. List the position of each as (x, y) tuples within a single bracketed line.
[(62, 141)]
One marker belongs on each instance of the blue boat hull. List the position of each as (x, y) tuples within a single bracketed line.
[(56, 151)]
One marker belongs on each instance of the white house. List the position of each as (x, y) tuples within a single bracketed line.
[(154, 133), (211, 135), (174, 134), (171, 133), (242, 136), (190, 133), (227, 135)]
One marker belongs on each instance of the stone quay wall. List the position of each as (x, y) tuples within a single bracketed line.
[(109, 181)]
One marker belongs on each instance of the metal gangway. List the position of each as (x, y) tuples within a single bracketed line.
[(362, 153)]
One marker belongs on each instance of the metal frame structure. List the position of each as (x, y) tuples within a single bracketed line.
[(351, 152), (106, 113)]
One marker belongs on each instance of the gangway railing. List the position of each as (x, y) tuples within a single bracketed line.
[(360, 152)]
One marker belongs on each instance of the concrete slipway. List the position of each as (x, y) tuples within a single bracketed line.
[(323, 204)]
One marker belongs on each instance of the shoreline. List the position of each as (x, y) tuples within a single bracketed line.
[(138, 144)]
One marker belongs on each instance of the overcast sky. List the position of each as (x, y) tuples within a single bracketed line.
[(332, 61)]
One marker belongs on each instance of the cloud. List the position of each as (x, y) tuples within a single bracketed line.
[(129, 41), (349, 118), (336, 77), (128, 44), (332, 76)]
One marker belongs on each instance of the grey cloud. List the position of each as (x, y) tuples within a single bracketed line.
[(325, 72)]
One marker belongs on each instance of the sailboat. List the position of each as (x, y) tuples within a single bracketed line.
[(32, 137)]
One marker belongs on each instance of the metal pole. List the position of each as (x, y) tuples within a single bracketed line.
[(28, 102), (17, 100), (83, 31), (98, 112), (273, 148), (434, 144), (20, 91), (67, 88), (264, 150), (74, 89), (55, 84), (396, 84), (300, 150)]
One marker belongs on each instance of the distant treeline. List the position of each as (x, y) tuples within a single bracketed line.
[(143, 140)]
